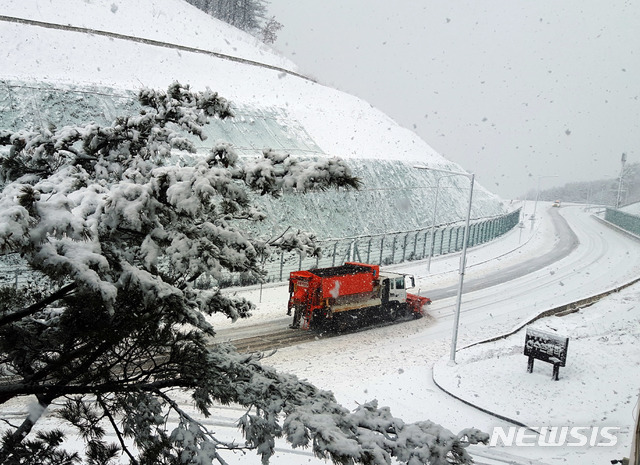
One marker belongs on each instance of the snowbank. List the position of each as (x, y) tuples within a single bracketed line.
[(633, 209)]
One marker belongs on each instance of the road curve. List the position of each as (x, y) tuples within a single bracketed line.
[(568, 241), (603, 259)]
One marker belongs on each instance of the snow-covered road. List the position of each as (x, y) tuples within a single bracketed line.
[(603, 260), (566, 243)]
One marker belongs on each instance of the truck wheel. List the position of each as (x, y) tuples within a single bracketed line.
[(403, 310), (319, 320), (392, 312)]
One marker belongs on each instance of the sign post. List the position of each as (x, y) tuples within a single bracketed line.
[(547, 347)]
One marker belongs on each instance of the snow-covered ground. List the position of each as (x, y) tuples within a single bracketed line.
[(341, 124), (597, 388), (633, 209), (395, 364), (171, 21)]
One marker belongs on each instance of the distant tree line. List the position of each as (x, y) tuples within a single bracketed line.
[(248, 15), (601, 192)]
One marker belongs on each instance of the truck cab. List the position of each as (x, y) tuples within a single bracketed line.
[(397, 286)]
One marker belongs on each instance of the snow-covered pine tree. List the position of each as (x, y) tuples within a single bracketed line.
[(269, 30), (118, 234), (247, 15)]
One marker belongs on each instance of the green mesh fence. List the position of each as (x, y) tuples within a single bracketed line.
[(392, 248), (623, 220)]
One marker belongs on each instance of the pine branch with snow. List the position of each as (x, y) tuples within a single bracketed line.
[(119, 235)]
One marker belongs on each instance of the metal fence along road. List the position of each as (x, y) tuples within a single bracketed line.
[(391, 248), (624, 220)]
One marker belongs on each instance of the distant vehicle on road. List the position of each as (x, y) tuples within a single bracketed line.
[(556, 204)]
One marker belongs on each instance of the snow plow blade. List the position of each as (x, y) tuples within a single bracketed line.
[(418, 304)]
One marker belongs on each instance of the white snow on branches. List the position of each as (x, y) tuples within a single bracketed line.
[(107, 213)]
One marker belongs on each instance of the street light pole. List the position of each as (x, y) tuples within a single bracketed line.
[(463, 258)]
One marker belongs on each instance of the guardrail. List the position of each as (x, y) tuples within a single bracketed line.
[(14, 271)]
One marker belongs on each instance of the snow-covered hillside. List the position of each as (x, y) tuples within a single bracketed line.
[(172, 21), (274, 109)]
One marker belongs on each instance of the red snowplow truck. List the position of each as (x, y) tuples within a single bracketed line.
[(350, 293)]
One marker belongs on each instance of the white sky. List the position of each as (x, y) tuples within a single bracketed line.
[(511, 90)]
